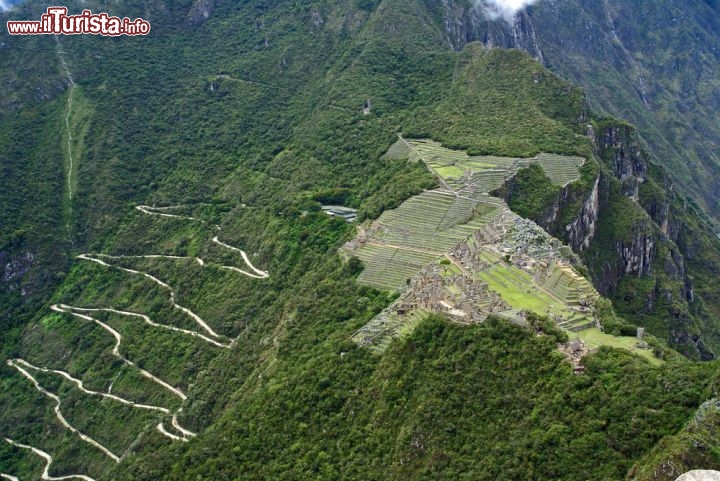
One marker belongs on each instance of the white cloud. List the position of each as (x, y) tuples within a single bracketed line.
[(505, 9), (4, 5)]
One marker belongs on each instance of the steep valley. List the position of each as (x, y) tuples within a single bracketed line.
[(176, 302)]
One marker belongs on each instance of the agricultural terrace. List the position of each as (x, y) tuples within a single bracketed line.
[(482, 174), (460, 252), (404, 240), (558, 292)]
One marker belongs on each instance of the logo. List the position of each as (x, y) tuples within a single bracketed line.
[(56, 21)]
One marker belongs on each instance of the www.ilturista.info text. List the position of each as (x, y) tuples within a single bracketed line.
[(56, 21)]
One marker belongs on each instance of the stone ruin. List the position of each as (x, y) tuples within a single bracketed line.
[(574, 351), (459, 296)]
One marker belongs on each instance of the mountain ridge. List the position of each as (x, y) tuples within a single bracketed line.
[(659, 77), (249, 129)]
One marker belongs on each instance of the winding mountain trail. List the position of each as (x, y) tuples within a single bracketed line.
[(116, 349), (161, 428), (198, 319), (58, 413), (48, 462), (150, 322), (146, 209), (116, 352), (185, 432), (82, 388), (259, 274), (9, 477), (206, 334)]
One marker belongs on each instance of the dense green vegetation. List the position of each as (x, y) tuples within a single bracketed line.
[(695, 445), (634, 64), (248, 120), (530, 192), (478, 113), (33, 230), (486, 402)]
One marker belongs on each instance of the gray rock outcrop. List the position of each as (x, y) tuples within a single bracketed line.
[(700, 475)]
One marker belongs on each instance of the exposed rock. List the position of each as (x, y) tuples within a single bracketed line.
[(15, 267), (13, 270), (581, 231), (316, 18), (367, 107), (471, 24), (574, 352), (700, 475), (201, 11), (628, 162), (456, 24), (637, 256), (628, 159)]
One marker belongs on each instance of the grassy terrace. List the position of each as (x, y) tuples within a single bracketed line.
[(423, 228), (378, 333), (561, 169), (484, 173), (390, 267), (522, 292), (427, 226), (567, 285), (594, 338)]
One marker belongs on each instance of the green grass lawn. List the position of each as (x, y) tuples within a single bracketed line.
[(480, 165), (594, 338), (449, 270), (528, 298), (449, 171)]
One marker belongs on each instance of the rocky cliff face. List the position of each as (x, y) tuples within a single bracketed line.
[(637, 205), (621, 150), (12, 272), (581, 231), (201, 11), (15, 267), (465, 23), (626, 159), (631, 228), (652, 63)]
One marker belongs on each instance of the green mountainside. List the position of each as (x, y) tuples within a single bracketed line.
[(662, 78), (652, 63), (647, 246), (176, 304)]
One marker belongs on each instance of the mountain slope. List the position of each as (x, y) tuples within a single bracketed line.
[(654, 64), (204, 326)]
